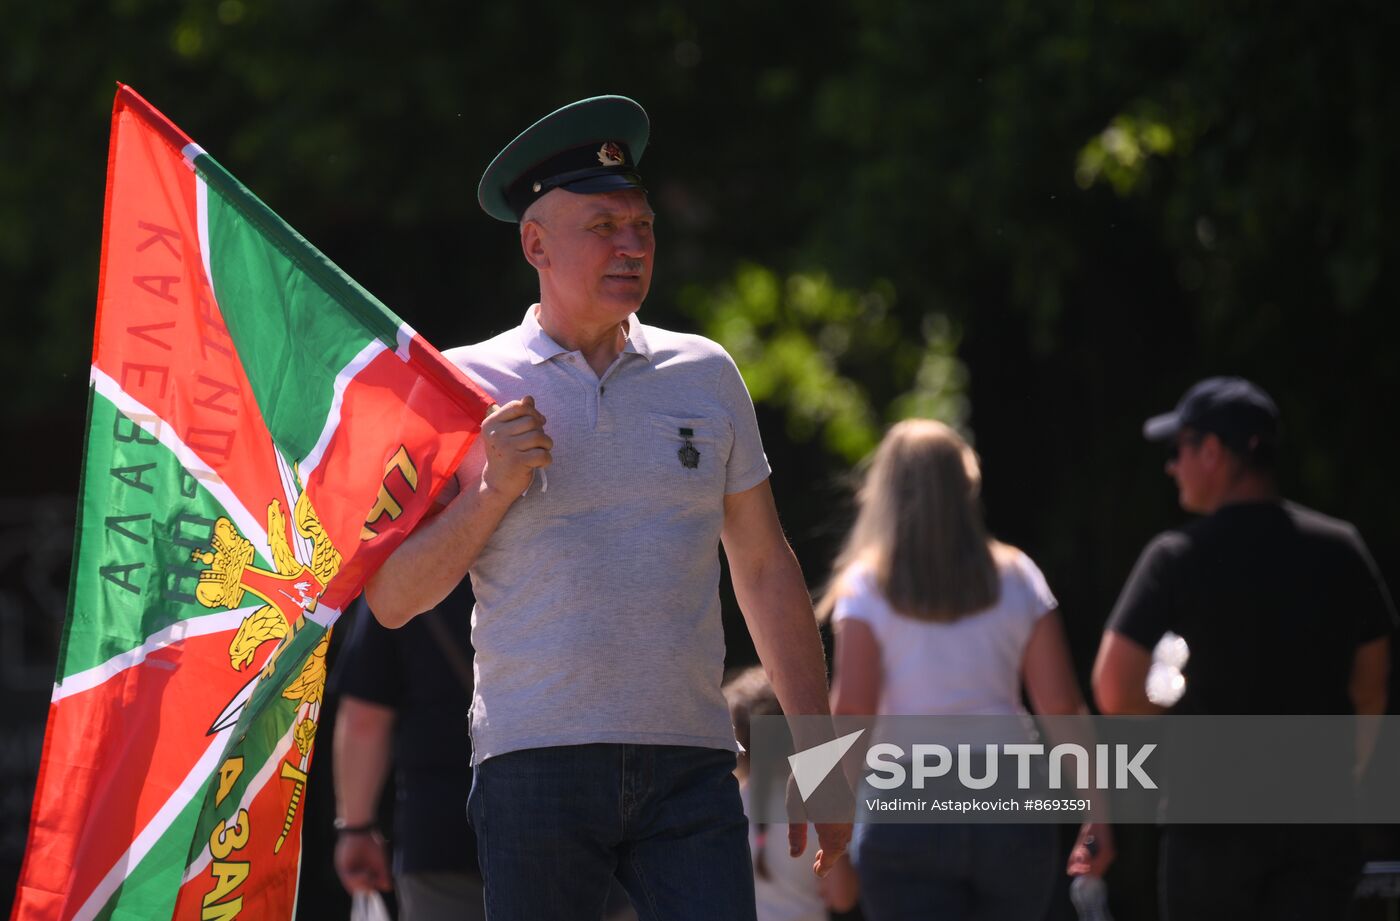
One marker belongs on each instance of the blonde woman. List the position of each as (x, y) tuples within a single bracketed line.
[(932, 616)]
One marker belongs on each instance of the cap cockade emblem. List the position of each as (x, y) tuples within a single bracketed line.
[(610, 155)]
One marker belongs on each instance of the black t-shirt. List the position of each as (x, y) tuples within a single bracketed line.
[(410, 669), (1272, 599)]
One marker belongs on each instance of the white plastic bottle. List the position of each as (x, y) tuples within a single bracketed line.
[(1089, 894)]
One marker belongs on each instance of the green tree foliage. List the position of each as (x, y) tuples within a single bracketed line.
[(827, 356), (1066, 212), (1084, 205)]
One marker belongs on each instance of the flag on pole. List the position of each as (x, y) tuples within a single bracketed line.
[(262, 433)]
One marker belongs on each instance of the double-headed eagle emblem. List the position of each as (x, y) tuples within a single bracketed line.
[(287, 593)]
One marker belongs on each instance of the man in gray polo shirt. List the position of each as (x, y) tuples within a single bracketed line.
[(589, 516)]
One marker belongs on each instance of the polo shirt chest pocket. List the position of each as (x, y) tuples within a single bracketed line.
[(687, 453)]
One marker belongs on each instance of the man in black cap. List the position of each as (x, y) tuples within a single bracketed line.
[(1283, 611), (590, 516)]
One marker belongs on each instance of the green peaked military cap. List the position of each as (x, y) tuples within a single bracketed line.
[(587, 147)]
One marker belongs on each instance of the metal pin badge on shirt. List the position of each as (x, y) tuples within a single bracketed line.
[(689, 456)]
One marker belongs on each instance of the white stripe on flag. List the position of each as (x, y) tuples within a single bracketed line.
[(152, 424), (191, 152), (296, 893), (90, 678), (324, 615), (192, 786), (405, 336), (302, 547), (342, 380), (250, 792), (201, 199)]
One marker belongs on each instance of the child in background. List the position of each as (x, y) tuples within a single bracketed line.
[(785, 888)]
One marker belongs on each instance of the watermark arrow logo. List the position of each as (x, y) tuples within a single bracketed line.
[(810, 766)]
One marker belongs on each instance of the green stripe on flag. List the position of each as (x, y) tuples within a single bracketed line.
[(295, 318), (260, 730), (150, 887), (143, 514)]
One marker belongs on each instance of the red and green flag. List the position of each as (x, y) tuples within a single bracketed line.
[(262, 433)]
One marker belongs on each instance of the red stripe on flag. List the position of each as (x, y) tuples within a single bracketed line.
[(113, 756), (128, 748), (394, 449), (263, 845), (160, 334)]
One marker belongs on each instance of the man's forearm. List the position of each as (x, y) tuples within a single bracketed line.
[(500, 466), (773, 597), (778, 610), (430, 563), (1120, 677), (1368, 689), (363, 743)]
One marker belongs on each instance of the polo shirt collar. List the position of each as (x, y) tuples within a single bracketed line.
[(542, 348), (536, 340), (636, 338)]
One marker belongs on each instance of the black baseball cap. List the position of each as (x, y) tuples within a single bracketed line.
[(589, 146), (1232, 408)]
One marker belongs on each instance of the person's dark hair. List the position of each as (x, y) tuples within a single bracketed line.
[(749, 693)]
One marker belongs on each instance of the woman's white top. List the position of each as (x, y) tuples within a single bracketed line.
[(964, 667)]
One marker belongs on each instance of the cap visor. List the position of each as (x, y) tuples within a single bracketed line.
[(608, 182), (1162, 428)]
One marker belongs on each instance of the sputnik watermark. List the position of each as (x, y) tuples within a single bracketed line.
[(1010, 768), (933, 760), (1114, 767), (812, 765)]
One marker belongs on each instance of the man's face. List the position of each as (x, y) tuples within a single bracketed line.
[(598, 253), (1191, 465)]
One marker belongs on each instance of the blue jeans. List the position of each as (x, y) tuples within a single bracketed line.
[(952, 872), (554, 826)]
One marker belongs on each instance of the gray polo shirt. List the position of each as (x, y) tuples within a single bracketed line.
[(597, 606)]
